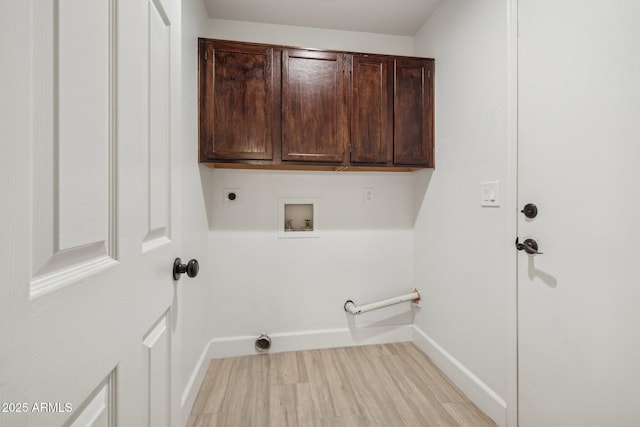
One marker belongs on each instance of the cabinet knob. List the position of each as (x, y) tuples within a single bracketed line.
[(191, 268)]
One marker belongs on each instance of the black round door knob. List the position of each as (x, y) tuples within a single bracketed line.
[(191, 268), (530, 210)]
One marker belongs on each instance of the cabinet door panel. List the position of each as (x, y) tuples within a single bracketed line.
[(314, 106), (413, 112), (236, 102), (372, 109)]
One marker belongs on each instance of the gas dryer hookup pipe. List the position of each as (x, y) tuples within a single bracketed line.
[(351, 308)]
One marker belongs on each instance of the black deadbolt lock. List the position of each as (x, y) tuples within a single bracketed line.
[(191, 268), (530, 210)]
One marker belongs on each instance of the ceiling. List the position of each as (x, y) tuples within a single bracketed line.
[(399, 17)]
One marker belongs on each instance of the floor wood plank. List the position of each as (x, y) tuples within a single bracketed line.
[(376, 385)]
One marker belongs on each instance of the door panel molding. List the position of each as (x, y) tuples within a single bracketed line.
[(158, 364), (74, 143), (99, 408), (159, 136)]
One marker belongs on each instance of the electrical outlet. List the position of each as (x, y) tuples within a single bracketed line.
[(231, 194), (369, 195)]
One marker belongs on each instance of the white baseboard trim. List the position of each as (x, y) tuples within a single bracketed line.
[(190, 391), (219, 348), (476, 390), (309, 340)]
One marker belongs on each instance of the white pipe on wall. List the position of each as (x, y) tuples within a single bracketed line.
[(351, 308)]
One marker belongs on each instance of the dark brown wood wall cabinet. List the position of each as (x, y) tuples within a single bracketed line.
[(413, 112), (372, 110), (236, 102), (272, 106), (315, 120)]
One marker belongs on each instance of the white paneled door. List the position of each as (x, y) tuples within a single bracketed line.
[(579, 148), (87, 232)]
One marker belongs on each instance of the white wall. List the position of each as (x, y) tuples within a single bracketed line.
[(309, 37), (461, 258), (263, 283), (192, 293)]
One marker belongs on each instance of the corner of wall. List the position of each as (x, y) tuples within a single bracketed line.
[(460, 248), (477, 391), (193, 295)]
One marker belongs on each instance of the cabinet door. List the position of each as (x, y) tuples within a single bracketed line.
[(314, 106), (372, 109), (236, 101), (413, 112)]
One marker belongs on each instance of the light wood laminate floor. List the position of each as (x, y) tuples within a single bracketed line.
[(377, 385)]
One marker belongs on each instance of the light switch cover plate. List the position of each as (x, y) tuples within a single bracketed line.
[(490, 193)]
